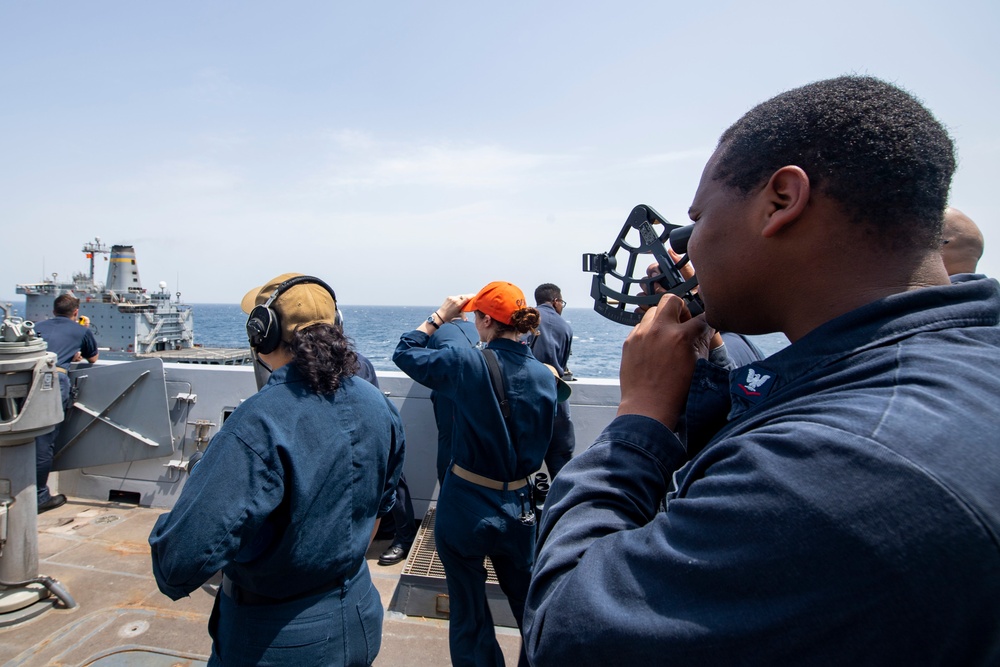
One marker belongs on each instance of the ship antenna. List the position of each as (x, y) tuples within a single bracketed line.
[(91, 249)]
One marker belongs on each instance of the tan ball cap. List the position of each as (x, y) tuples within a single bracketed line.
[(297, 307)]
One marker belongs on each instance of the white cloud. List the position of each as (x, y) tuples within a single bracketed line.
[(693, 155), (359, 160)]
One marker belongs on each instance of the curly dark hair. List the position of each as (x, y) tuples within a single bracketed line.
[(867, 144), (522, 321), (323, 354)]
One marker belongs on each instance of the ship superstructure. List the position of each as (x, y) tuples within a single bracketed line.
[(124, 317)]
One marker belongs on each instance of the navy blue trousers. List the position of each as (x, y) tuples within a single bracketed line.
[(45, 445), (402, 516), (338, 627), (473, 522)]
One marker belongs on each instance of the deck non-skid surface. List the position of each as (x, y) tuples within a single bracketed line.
[(98, 551)]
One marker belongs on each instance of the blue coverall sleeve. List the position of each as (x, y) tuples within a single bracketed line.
[(225, 502), (394, 469), (763, 553), (607, 492), (439, 369)]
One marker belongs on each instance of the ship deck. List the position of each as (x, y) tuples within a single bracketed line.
[(98, 551)]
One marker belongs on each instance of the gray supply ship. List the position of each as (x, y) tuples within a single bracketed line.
[(127, 320), (123, 315)]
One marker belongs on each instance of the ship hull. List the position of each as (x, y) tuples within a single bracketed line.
[(125, 327)]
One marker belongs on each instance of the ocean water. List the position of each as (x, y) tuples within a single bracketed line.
[(375, 330)]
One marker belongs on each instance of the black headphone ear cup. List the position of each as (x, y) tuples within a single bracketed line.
[(263, 325), (263, 330)]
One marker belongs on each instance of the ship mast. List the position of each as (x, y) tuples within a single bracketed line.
[(91, 249)]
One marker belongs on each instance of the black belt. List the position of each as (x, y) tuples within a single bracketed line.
[(242, 596)]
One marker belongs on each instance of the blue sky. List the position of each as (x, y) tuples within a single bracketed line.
[(406, 151)]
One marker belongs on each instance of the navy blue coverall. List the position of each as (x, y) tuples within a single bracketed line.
[(284, 503), (553, 345), (837, 503), (473, 521)]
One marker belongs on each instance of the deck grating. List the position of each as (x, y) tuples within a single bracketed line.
[(423, 560)]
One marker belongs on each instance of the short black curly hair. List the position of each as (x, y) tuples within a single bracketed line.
[(867, 144)]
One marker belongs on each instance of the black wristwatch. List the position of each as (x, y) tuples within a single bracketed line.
[(430, 320)]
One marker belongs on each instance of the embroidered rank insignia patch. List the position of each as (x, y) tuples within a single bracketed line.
[(751, 384)]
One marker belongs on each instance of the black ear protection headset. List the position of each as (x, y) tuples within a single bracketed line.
[(263, 324)]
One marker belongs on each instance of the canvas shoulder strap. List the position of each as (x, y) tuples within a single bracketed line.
[(497, 378)]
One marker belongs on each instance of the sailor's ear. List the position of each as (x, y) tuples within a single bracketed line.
[(787, 194)]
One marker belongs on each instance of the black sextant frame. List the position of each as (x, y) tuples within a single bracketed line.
[(633, 290)]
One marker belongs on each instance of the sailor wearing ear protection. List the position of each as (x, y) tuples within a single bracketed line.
[(288, 495)]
